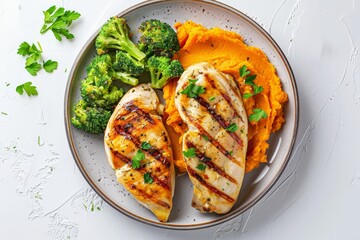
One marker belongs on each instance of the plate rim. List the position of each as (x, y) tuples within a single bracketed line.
[(222, 218)]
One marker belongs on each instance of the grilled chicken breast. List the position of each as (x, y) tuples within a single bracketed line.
[(215, 144), (139, 150)]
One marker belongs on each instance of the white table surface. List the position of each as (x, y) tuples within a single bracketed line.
[(44, 196)]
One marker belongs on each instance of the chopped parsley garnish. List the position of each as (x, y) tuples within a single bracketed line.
[(4, 113), (212, 98), (29, 89), (50, 66), (201, 166), (249, 80), (205, 137), (257, 114), (231, 153), (244, 71), (192, 90), (148, 178), (145, 146), (232, 127), (58, 21), (137, 159), (190, 153)]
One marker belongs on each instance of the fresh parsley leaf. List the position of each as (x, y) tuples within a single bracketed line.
[(58, 21), (243, 71), (250, 80), (33, 68), (34, 55), (29, 89), (137, 159), (211, 98), (248, 95), (50, 66), (23, 49), (192, 90), (201, 166), (148, 178), (205, 137), (191, 152), (257, 114), (4, 113), (145, 146), (232, 127)]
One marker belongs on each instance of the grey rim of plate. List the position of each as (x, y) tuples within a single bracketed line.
[(222, 218)]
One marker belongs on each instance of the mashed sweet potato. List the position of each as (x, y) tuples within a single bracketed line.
[(227, 52)]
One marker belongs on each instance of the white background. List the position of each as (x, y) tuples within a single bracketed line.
[(44, 196)]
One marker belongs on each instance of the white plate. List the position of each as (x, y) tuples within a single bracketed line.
[(88, 150)]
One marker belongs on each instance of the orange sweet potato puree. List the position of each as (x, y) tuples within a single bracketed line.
[(227, 52)]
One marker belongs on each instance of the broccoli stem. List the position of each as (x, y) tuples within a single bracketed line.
[(128, 46), (126, 78)]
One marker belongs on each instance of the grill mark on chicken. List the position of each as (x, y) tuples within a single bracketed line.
[(206, 160), (225, 96), (212, 140), (150, 197), (125, 128), (218, 118), (164, 183), (211, 188), (131, 107)]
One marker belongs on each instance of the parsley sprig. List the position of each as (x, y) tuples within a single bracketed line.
[(147, 178), (28, 88), (257, 114), (191, 152), (249, 80), (58, 20), (232, 128), (136, 160), (192, 90), (33, 58), (201, 167)]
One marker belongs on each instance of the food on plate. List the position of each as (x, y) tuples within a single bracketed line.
[(90, 119), (214, 146), (115, 35), (158, 38), (162, 69), (139, 150), (119, 58), (259, 84)]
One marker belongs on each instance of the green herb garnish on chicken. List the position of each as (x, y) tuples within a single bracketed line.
[(115, 35), (162, 69), (158, 38), (90, 119)]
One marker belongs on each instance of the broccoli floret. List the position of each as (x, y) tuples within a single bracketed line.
[(102, 65), (90, 119), (162, 69), (102, 95), (158, 38), (115, 34), (124, 62), (97, 88)]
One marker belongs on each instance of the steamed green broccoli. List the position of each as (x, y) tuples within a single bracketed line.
[(115, 34), (162, 69), (124, 62), (103, 65), (158, 38), (97, 88), (90, 119)]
